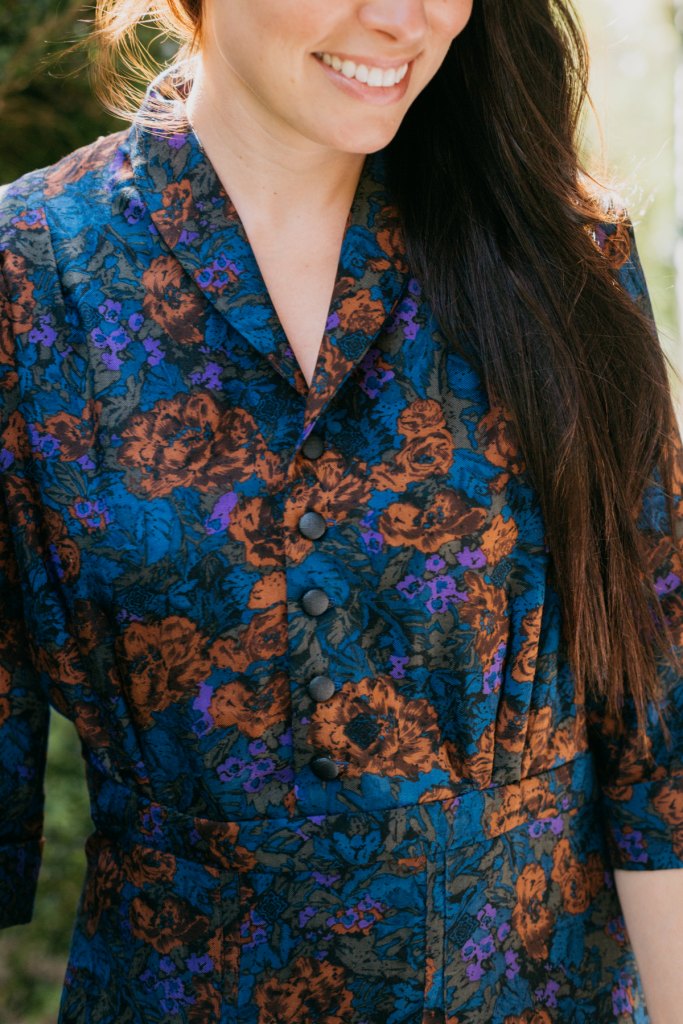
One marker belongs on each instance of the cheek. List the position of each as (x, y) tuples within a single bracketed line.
[(450, 17)]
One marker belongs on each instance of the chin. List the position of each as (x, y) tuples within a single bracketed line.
[(371, 141)]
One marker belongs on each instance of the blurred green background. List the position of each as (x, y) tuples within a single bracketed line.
[(47, 109)]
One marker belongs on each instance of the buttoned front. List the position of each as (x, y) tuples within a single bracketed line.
[(340, 771)]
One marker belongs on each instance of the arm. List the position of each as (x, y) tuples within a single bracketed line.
[(652, 902), (24, 710)]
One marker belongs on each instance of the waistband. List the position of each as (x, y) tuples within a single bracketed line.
[(125, 816)]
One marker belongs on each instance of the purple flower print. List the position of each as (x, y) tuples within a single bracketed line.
[(486, 916), (512, 964), (199, 964), (398, 669), (135, 321), (667, 584), (219, 519), (135, 211), (110, 344), (373, 379), (111, 311), (547, 994), (230, 769), (622, 997), (305, 916), (410, 587), (435, 563), (472, 558), (44, 444), (92, 514), (45, 334), (373, 541), (493, 676), (332, 322), (210, 376), (442, 589), (178, 140), (632, 843), (155, 353)]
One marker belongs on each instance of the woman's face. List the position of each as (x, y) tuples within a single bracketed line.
[(339, 73)]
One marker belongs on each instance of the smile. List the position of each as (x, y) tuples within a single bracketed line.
[(377, 78)]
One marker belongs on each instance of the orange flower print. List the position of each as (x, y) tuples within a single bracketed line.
[(426, 452), (616, 247), (378, 730), (390, 237), (5, 681), (189, 441), (20, 288), (77, 164), (62, 666), (477, 767), (165, 660), (538, 753), (524, 665), (334, 494), (668, 803), (268, 590), (421, 418), (571, 877), (178, 209), (146, 866), (516, 804), (530, 1017), (253, 709), (310, 991), (74, 434), (166, 922), (531, 918), (251, 523), (360, 312), (265, 637), (104, 882), (172, 301), (498, 540), (496, 437), (447, 518), (484, 612)]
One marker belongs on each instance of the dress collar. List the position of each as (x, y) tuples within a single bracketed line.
[(199, 224)]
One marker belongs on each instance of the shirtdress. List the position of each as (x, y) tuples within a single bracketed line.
[(340, 770)]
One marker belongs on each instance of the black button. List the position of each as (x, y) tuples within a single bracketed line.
[(313, 447), (312, 525), (324, 768), (321, 688), (315, 602)]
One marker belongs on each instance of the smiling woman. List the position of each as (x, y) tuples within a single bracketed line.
[(374, 643)]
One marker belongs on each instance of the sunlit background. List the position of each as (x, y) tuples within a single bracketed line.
[(635, 48)]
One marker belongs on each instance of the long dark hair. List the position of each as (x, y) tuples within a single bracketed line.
[(497, 213)]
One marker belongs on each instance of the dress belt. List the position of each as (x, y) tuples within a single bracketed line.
[(126, 816)]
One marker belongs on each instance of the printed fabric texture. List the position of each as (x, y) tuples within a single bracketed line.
[(339, 768)]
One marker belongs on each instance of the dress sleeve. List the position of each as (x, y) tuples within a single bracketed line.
[(24, 708), (642, 791)]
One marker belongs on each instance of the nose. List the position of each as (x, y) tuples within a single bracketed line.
[(402, 20)]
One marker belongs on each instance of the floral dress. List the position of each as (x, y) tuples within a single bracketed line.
[(340, 770)]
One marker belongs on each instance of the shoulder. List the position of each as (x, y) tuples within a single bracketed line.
[(74, 183)]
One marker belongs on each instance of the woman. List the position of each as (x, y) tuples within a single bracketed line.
[(371, 641)]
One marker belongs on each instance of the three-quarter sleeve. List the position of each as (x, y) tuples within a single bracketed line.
[(642, 790), (24, 709)]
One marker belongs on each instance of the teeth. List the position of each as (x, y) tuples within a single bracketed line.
[(375, 77)]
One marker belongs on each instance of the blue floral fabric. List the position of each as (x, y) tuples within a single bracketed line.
[(339, 767)]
